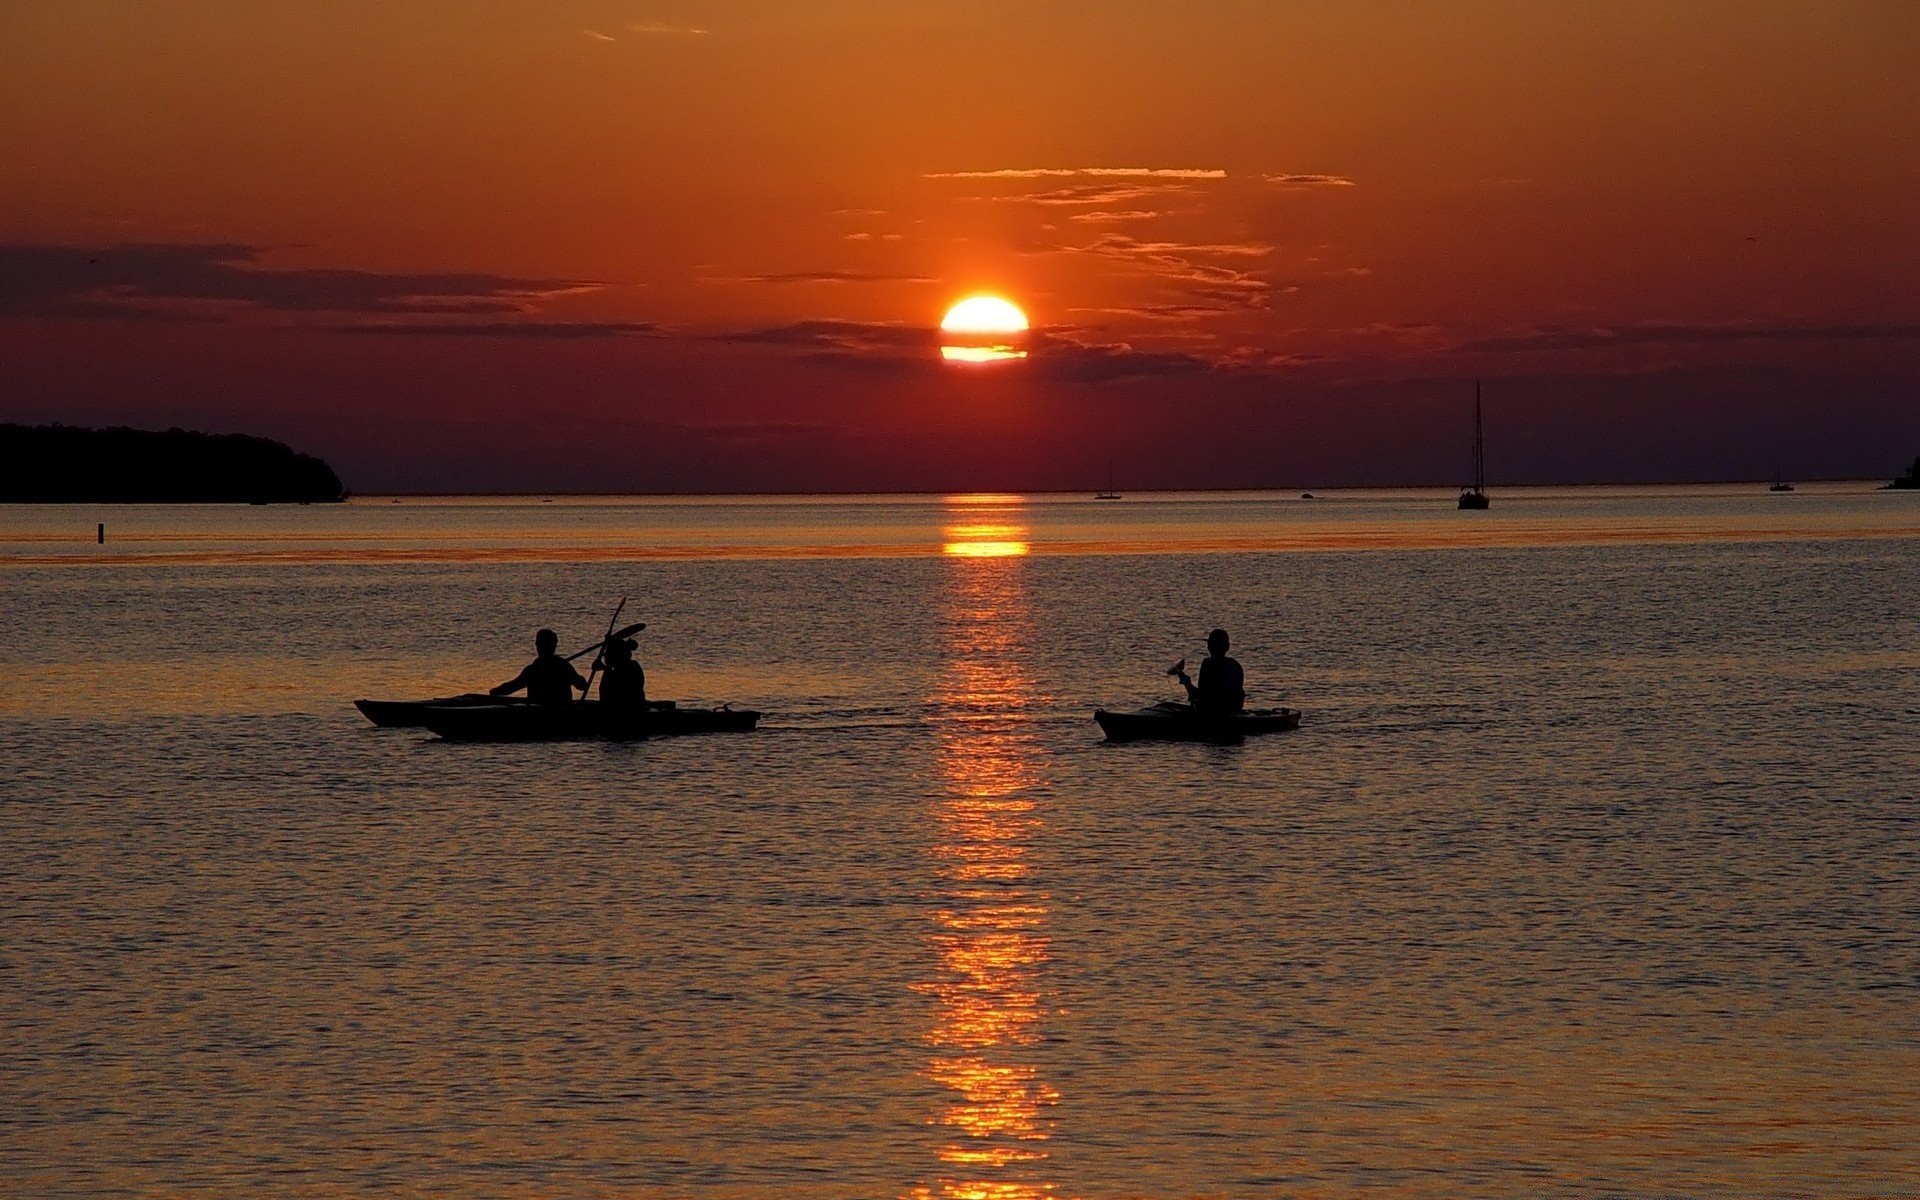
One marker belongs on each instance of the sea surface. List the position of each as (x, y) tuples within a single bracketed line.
[(1593, 870)]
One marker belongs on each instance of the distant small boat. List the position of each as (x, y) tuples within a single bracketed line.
[(1475, 497), (1780, 486), (1170, 721), (1109, 494), (1908, 482)]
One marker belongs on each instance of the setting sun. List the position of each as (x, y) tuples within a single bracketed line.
[(984, 314), (983, 329)]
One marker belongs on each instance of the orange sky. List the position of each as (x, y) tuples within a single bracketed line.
[(699, 245)]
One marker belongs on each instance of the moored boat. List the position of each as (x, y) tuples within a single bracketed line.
[(1474, 499), (583, 720), (1169, 721)]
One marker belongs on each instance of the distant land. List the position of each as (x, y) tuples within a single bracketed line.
[(68, 464)]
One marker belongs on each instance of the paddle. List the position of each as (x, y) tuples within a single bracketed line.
[(595, 668), (624, 631)]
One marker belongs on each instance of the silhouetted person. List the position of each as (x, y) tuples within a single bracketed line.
[(1222, 690), (625, 684), (549, 679)]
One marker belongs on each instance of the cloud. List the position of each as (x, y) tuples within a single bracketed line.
[(1161, 312), (1091, 194), (145, 278), (790, 277), (1054, 355), (597, 36), (1109, 217), (1067, 172), (1069, 360), (662, 29), (1622, 336), (862, 337), (507, 329), (1300, 180), (1182, 264)]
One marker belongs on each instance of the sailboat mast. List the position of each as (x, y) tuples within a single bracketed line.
[(1479, 444)]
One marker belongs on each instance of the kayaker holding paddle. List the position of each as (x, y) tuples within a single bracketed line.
[(1222, 690), (548, 679), (625, 683)]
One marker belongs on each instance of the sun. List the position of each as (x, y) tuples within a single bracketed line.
[(983, 329), (984, 314)]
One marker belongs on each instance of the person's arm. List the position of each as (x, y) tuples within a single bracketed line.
[(579, 681), (510, 686), (1186, 681)]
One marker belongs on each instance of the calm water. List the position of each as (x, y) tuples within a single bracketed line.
[(1594, 871)]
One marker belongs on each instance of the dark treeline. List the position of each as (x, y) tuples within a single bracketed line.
[(70, 464)]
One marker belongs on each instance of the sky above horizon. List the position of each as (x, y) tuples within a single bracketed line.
[(589, 245)]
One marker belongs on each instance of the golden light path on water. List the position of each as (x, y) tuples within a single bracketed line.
[(990, 936), (984, 525)]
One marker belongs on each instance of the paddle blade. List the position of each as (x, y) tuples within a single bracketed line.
[(1177, 668), (615, 636)]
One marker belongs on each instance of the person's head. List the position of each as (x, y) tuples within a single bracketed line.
[(619, 650), (1217, 643), (546, 641)]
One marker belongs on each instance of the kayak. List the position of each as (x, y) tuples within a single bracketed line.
[(581, 720), (411, 714), (1172, 722)]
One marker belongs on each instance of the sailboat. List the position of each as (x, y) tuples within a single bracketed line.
[(1779, 483), (1109, 494), (1475, 497)]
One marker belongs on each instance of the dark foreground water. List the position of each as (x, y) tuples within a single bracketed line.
[(1594, 871)]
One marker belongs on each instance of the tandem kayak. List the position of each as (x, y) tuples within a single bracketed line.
[(581, 720), (411, 714), (1172, 722)]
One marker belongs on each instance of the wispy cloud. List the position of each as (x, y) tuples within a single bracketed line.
[(1180, 313), (562, 330), (1186, 267), (1109, 217), (1091, 194), (136, 279), (854, 337), (1306, 180), (794, 277), (662, 29), (1621, 336), (1056, 355), (597, 36), (1068, 172)]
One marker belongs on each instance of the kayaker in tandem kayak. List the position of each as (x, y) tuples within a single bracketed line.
[(624, 686), (1222, 690), (548, 679)]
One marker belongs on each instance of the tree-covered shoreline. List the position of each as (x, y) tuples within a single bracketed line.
[(69, 464)]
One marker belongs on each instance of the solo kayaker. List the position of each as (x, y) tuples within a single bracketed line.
[(625, 685), (548, 679), (1222, 690)]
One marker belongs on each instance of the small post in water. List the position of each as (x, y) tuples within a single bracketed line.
[(100, 534)]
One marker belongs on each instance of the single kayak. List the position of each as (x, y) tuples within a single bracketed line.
[(411, 714), (580, 720), (1172, 722)]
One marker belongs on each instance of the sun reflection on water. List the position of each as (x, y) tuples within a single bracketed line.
[(984, 525), (990, 934)]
